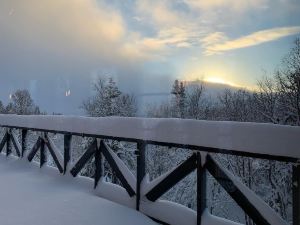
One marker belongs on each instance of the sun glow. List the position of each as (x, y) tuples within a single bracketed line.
[(218, 80)]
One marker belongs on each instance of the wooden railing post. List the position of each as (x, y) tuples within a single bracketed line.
[(23, 144), (43, 156), (140, 170), (67, 148), (8, 143), (201, 188), (296, 195), (98, 163)]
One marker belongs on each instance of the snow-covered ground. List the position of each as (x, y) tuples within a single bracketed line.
[(33, 196)]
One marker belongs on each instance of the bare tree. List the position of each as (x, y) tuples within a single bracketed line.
[(195, 100), (267, 100), (237, 106), (288, 81), (22, 104)]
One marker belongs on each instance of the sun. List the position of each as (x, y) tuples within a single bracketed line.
[(218, 80)]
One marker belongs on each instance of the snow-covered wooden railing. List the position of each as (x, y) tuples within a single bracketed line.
[(266, 141)]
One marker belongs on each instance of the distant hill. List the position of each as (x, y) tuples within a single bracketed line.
[(211, 89)]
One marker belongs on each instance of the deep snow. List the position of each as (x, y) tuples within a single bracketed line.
[(33, 196)]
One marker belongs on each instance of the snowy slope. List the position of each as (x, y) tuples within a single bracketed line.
[(30, 196), (248, 137)]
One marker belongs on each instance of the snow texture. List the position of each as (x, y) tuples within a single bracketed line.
[(260, 138), (31, 196)]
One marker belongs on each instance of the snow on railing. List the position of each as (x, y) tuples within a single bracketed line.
[(267, 141), (257, 138)]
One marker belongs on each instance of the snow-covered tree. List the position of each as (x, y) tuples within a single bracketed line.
[(22, 104), (237, 106), (288, 81), (2, 108), (195, 101), (109, 100), (179, 99), (267, 100)]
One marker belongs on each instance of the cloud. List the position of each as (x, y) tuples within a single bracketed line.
[(173, 28), (158, 12), (235, 5), (217, 43), (62, 34), (60, 43), (213, 38)]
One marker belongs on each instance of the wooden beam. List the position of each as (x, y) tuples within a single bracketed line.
[(23, 144), (84, 158), (115, 168), (296, 194), (34, 150), (201, 188), (175, 145), (98, 166), (217, 172), (54, 156), (140, 170), (43, 156), (67, 149), (3, 142), (173, 178), (8, 144)]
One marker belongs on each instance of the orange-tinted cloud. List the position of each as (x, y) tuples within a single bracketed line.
[(218, 42)]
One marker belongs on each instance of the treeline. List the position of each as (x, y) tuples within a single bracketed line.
[(21, 103), (276, 100)]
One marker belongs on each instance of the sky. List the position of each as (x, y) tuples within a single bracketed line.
[(57, 48)]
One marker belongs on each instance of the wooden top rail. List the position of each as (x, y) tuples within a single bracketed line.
[(260, 140)]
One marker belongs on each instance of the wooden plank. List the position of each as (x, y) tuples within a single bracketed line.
[(3, 142), (8, 144), (23, 144), (216, 171), (43, 156), (296, 194), (67, 149), (173, 178), (175, 145), (34, 150), (201, 189), (116, 169), (140, 170), (14, 141), (54, 156), (84, 158), (98, 166)]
